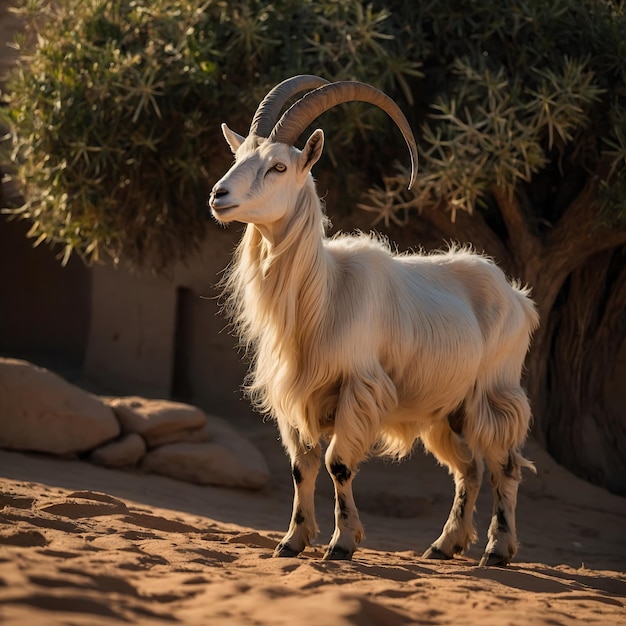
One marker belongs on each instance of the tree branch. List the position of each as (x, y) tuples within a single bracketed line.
[(579, 233), (523, 242), (470, 229)]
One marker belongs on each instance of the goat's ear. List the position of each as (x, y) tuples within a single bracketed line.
[(311, 152), (232, 138)]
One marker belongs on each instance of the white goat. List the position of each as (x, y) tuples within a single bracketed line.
[(369, 349)]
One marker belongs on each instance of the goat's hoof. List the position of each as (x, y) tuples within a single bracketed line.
[(285, 550), (337, 553), (436, 554), (494, 560)]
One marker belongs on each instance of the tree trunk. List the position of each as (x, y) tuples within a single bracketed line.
[(588, 325)]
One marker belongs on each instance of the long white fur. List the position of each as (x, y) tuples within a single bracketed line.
[(348, 337)]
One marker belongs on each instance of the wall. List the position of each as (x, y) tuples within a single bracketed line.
[(44, 307), (163, 335)]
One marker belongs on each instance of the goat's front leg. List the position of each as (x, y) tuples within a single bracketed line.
[(348, 528), (363, 400), (305, 463)]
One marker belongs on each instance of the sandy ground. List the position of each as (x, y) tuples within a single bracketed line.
[(80, 544)]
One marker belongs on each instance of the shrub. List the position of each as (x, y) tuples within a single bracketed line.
[(516, 89)]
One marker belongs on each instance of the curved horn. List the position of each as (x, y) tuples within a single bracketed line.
[(293, 122), (268, 111)]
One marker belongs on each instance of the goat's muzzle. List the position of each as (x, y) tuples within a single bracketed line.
[(218, 199)]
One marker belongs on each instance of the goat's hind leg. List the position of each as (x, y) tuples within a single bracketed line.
[(305, 463), (459, 532), (502, 537), (466, 467), (508, 411)]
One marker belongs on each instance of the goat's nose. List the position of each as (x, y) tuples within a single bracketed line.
[(216, 192)]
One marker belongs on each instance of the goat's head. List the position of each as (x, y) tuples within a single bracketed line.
[(269, 172)]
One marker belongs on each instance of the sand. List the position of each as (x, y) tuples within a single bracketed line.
[(85, 545)]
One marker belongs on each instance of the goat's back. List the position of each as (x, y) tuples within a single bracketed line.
[(436, 323)]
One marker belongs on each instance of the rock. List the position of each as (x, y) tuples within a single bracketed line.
[(188, 445), (188, 435), (157, 421), (207, 463), (41, 411), (123, 452), (218, 430)]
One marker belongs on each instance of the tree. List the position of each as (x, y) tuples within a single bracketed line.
[(521, 111)]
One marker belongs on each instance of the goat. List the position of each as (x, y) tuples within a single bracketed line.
[(366, 348)]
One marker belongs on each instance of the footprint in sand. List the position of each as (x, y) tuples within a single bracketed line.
[(211, 558), (17, 502), (154, 522), (79, 504), (70, 604), (35, 518), (23, 538), (253, 540), (60, 554), (82, 504), (138, 535)]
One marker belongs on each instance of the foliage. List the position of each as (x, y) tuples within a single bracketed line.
[(100, 108), (523, 86), (115, 108)]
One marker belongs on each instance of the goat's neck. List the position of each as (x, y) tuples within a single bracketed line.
[(292, 272), (299, 236)]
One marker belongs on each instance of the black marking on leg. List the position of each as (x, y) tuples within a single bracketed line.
[(503, 525), (297, 474), (343, 509), (509, 466), (298, 517), (456, 419), (459, 504), (340, 471), (457, 549)]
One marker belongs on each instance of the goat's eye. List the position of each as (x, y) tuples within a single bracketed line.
[(279, 167)]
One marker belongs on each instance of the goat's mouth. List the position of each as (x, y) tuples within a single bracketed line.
[(222, 208), (218, 206), (222, 212)]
